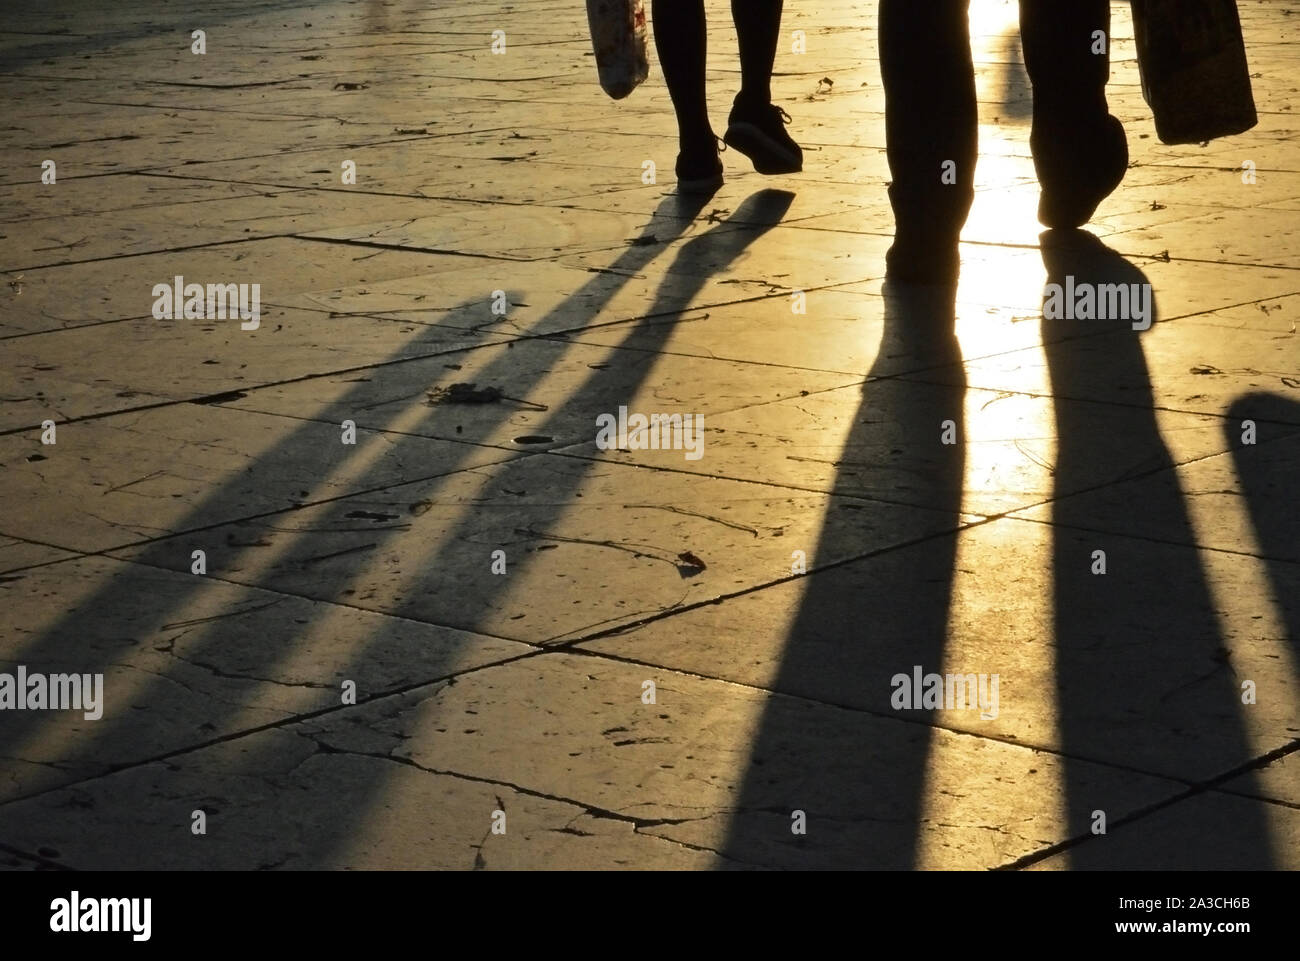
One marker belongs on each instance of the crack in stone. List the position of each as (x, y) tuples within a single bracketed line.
[(589, 810)]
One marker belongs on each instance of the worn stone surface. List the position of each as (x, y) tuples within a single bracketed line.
[(109, 482), (892, 481), (584, 545), (679, 770), (188, 659)]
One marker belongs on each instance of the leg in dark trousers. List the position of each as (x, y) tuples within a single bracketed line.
[(1080, 152), (930, 119)]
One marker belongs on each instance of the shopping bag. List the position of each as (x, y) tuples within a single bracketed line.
[(1192, 59), (618, 36)]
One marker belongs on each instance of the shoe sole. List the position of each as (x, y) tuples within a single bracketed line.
[(1072, 213), (768, 156), (700, 185), (1060, 210)]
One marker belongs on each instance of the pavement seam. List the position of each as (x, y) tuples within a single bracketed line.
[(1194, 789)]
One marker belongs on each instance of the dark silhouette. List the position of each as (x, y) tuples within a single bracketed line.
[(239, 645), (1145, 689), (1145, 679), (756, 127), (1080, 152), (859, 771)]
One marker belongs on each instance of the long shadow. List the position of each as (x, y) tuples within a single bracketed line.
[(142, 734), (683, 279), (1148, 705), (1143, 678), (858, 779), (1269, 475), (138, 602)]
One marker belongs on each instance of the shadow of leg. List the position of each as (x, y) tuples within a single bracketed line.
[(1143, 679), (858, 775)]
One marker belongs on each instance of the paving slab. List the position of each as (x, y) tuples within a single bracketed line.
[(547, 548), (1278, 781), (678, 769), (516, 172), (99, 291), (890, 480), (136, 476), (652, 272), (25, 204), (535, 233), (1111, 668), (552, 394), (298, 810), (119, 139), (1168, 840), (62, 374), (932, 445), (271, 213), (186, 659), (17, 554), (1202, 363), (1014, 277), (1239, 496)]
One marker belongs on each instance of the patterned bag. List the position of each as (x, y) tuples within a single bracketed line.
[(618, 36)]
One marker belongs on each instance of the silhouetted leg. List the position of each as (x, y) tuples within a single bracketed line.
[(681, 42), (680, 39), (756, 127), (931, 131), (1079, 149), (758, 28)]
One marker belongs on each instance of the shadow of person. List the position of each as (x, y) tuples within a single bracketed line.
[(1269, 476), (136, 621), (1144, 683), (857, 769), (448, 568)]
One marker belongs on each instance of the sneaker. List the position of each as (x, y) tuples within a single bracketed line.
[(1076, 177), (699, 171), (758, 131)]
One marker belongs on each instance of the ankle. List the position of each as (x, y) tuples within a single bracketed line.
[(751, 98), (697, 139)]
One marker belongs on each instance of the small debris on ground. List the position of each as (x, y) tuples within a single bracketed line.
[(462, 393), (691, 560), (471, 393)]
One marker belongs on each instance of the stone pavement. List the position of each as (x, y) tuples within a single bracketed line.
[(475, 637)]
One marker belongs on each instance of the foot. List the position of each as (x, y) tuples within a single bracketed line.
[(1077, 173), (699, 169), (920, 257), (927, 230), (758, 131)]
